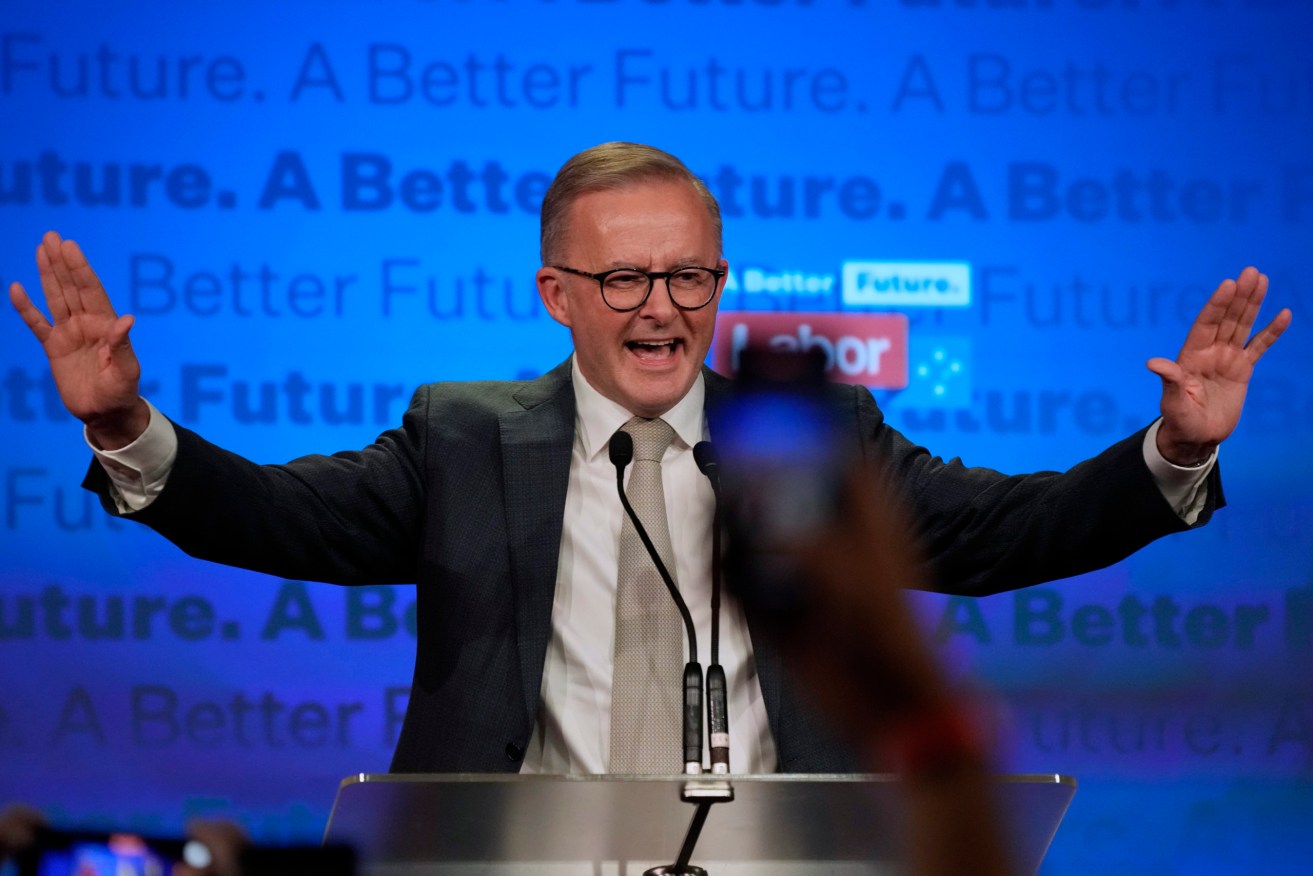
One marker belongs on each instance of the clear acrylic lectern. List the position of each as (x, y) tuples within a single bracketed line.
[(470, 825)]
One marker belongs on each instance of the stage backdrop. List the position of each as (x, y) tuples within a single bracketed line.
[(992, 212)]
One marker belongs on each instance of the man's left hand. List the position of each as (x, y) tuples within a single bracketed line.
[(1204, 389)]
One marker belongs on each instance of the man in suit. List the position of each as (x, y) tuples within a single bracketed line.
[(497, 499)]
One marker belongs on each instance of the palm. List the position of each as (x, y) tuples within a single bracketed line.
[(86, 341), (1204, 389), (90, 374)]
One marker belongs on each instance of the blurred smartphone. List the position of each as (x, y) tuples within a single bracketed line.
[(87, 853), (784, 461)]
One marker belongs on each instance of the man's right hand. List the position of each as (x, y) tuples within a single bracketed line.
[(91, 360)]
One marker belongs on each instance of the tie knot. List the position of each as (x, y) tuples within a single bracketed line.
[(651, 438)]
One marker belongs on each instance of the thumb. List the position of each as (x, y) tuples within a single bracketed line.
[(118, 333), (1168, 370)]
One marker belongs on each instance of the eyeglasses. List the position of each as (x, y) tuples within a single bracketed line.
[(626, 289)]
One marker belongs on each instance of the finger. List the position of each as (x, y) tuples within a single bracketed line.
[(87, 286), (33, 317), (1251, 288), (1203, 332), (58, 250), (1229, 329), (1259, 343), (56, 301)]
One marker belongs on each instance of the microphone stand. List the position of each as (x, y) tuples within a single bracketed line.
[(703, 794)]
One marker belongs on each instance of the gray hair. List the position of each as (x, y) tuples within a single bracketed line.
[(608, 167)]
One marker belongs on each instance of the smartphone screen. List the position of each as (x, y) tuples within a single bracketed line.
[(63, 853), (85, 853), (784, 461)]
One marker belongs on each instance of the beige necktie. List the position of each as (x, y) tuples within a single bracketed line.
[(647, 685)]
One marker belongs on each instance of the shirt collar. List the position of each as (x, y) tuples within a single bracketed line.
[(597, 418)]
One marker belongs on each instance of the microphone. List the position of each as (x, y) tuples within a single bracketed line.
[(621, 451), (708, 462)]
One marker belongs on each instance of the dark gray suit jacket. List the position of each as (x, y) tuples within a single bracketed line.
[(466, 500)]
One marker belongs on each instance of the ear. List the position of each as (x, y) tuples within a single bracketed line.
[(720, 289), (552, 291)]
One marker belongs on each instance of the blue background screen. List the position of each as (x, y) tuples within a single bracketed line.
[(314, 207)]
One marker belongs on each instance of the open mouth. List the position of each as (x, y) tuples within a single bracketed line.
[(654, 351)]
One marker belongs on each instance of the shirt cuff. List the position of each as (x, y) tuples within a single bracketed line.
[(1184, 488), (139, 471)]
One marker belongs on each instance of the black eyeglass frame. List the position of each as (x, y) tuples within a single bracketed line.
[(652, 277)]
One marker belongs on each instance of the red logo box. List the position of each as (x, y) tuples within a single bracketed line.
[(865, 348)]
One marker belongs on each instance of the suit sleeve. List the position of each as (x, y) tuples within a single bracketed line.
[(349, 518), (985, 532)]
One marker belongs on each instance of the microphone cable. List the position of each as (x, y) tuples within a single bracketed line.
[(708, 462)]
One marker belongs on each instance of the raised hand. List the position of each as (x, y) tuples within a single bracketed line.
[(1204, 389), (859, 652), (92, 361)]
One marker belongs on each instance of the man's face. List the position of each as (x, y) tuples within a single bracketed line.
[(645, 359)]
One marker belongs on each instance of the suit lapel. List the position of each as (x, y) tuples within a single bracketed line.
[(536, 444)]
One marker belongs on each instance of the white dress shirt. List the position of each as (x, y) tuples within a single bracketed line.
[(573, 730)]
